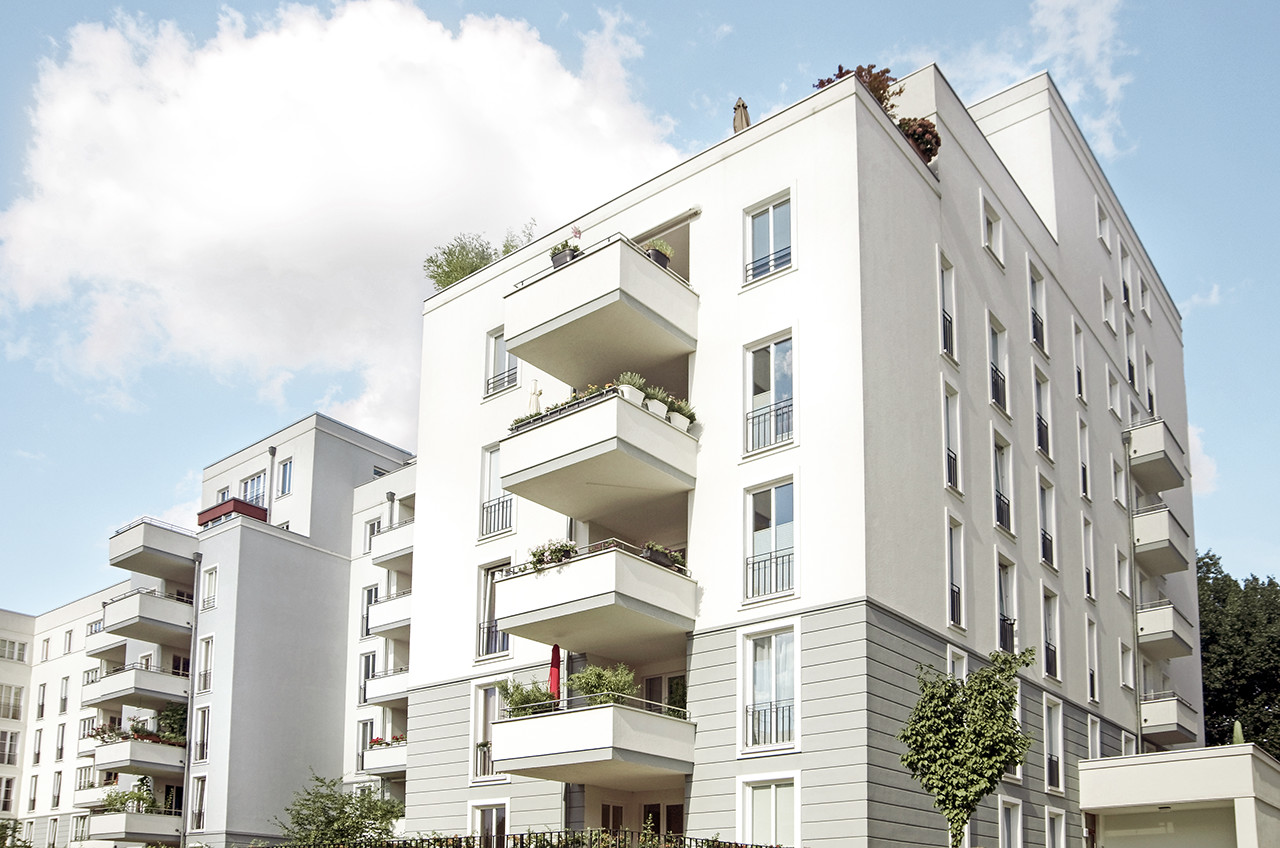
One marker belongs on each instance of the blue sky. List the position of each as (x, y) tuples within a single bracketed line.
[(213, 217)]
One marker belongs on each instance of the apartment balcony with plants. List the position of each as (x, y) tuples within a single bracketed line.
[(151, 615), (90, 793), (1161, 545), (158, 827), (152, 547), (1163, 631), (1156, 460), (387, 758), (137, 685), (388, 688)]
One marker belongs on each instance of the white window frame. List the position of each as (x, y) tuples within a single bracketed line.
[(992, 229), (1006, 839), (1091, 661), (1015, 776), (756, 270), (371, 528), (1046, 513), (953, 551), (1009, 608), (1124, 574), (778, 569), (478, 727), (501, 368), (1002, 480), (1082, 371), (1094, 731), (998, 357), (476, 808), (951, 436), (1053, 814), (254, 487), (209, 588), (746, 642), (1038, 300), (1053, 742), (947, 308), (1089, 559), (1108, 308), (957, 662), (1082, 444), (200, 733), (492, 495), (1051, 632), (746, 783), (1128, 744), (286, 477), (1104, 224), (779, 428), (1127, 671), (204, 670), (1041, 400)]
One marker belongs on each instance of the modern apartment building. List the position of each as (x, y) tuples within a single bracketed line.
[(940, 412)]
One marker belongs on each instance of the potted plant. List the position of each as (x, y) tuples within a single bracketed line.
[(663, 556), (923, 135), (567, 250), (553, 552), (601, 685), (525, 699), (681, 413), (659, 251), (631, 386), (656, 399)]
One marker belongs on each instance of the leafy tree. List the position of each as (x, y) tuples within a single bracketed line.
[(11, 835), (962, 735), (324, 813), (468, 253), (1239, 654), (879, 83)]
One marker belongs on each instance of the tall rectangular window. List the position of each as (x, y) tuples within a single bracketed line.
[(63, 689), (771, 688), (1010, 823), (1084, 458), (51, 831), (770, 569), (1091, 658), (371, 529), (40, 696), (1090, 588), (770, 230), (1047, 526), (1006, 604), (770, 417), (955, 573), (1052, 744), (253, 489), (1095, 737), (31, 797), (1118, 485), (1128, 744), (368, 597), (1050, 617), (1077, 335), (368, 670), (1126, 666), (37, 740), (992, 232), (999, 353), (66, 641), (495, 502), (947, 298), (1054, 829), (1144, 296), (209, 589), (770, 813), (1131, 354), (1124, 576), (1037, 295), (1108, 308), (364, 739), (197, 802), (491, 640), (1001, 472), (11, 702), (204, 665), (1040, 396), (1150, 382), (951, 436), (1104, 227), (6, 794), (488, 705), (491, 826), (286, 476), (200, 746), (1126, 274), (59, 742), (9, 747), (55, 800), (500, 370)]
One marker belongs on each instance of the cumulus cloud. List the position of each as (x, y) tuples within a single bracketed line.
[(1204, 469), (261, 203), (1213, 297)]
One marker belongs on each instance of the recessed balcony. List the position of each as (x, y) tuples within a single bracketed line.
[(1168, 719), (608, 599), (164, 828), (1160, 543), (136, 686), (136, 756), (387, 760), (1163, 632), (606, 460), (612, 309), (392, 549), (627, 747), (150, 616), (391, 615), (388, 688), (151, 547), (1156, 460)]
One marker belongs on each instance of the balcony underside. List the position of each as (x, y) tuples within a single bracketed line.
[(155, 550), (149, 690), (133, 756), (91, 797), (1169, 721), (389, 691), (390, 619), (1156, 459), (1160, 545), (393, 549), (109, 647), (1164, 633), (388, 761), (136, 827), (148, 618)]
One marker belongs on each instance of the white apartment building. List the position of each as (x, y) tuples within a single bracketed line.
[(940, 412)]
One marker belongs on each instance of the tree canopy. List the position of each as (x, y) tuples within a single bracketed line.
[(1239, 654), (963, 734), (11, 834), (324, 812), (467, 253)]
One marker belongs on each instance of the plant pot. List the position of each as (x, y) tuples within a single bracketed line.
[(632, 394), (679, 421), (657, 407), (658, 256), (564, 257), (659, 558)]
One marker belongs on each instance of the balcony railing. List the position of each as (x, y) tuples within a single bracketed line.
[(1133, 375), (1042, 434), (590, 838), (495, 515), (491, 640), (1005, 626), (1037, 329), (498, 382), (948, 334), (1093, 684), (955, 604), (1084, 479), (1088, 582), (775, 261), (1053, 772), (1079, 382), (953, 469), (1046, 547), (769, 425), (1050, 658), (1002, 510), (484, 759), (204, 680), (770, 573), (771, 723), (998, 396)]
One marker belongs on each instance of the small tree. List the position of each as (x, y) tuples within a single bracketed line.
[(11, 835), (468, 253), (962, 735), (323, 812)]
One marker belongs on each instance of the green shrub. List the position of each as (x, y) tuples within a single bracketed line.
[(631, 378), (524, 699), (604, 685)]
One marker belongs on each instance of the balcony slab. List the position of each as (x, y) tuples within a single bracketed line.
[(392, 549), (1168, 720), (388, 689), (163, 828), (1165, 633), (156, 549), (150, 617), (387, 760), (1156, 460), (390, 618), (1160, 544), (135, 756), (147, 688)]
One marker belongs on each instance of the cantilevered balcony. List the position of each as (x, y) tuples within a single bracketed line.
[(154, 548), (136, 686), (1167, 719), (1163, 632), (1160, 543), (164, 828), (612, 309), (392, 548), (150, 616), (608, 599), (102, 645), (89, 794), (606, 460), (629, 746), (389, 688), (136, 756), (390, 616), (387, 760), (1156, 460)]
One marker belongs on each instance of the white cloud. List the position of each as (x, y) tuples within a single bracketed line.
[(1204, 469), (721, 32), (261, 203), (1198, 301)]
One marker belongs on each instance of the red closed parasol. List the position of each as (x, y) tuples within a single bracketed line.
[(555, 672)]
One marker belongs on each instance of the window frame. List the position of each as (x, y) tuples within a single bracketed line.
[(747, 638), (745, 786), (285, 477), (778, 428), (781, 563), (494, 508), (947, 307), (499, 379), (1053, 721), (952, 476), (953, 551), (992, 229), (482, 727), (753, 271), (1014, 839)]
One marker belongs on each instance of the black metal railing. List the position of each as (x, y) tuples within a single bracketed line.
[(769, 425), (491, 640), (955, 604), (998, 396), (775, 261), (1088, 582), (1002, 510), (1084, 479), (948, 334), (495, 515), (197, 820), (498, 382), (200, 750), (1005, 627), (1124, 292), (1037, 329), (1050, 658), (592, 838), (484, 759), (1151, 402), (204, 680), (1046, 546), (1079, 382), (771, 723), (953, 469), (1053, 771), (770, 573), (1093, 685), (1042, 434)]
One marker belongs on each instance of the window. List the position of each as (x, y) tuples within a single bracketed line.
[(611, 817), (955, 573), (1040, 394), (1052, 744), (40, 695), (1126, 274), (770, 813), (1104, 227), (1095, 737), (770, 230), (6, 794), (491, 826), (368, 668), (1126, 666), (1003, 484), (252, 489), (286, 476), (371, 529), (79, 828), (1036, 286), (1113, 392), (992, 232), (1054, 832), (999, 353), (44, 650), (13, 650), (1077, 336), (1087, 544), (62, 695), (59, 741), (1131, 355), (36, 739), (1108, 308), (951, 435), (1084, 458), (491, 640), (1006, 604), (488, 708), (51, 834), (10, 702), (1117, 482), (368, 597), (364, 739), (86, 727), (771, 566), (771, 687), (31, 797), (197, 802), (66, 642), (1150, 381), (1091, 658), (200, 746), (1047, 527), (500, 367), (1124, 576), (770, 418), (8, 747), (957, 663), (56, 799), (947, 298), (495, 503), (1010, 823), (209, 589), (1050, 634), (204, 667), (1144, 296), (224, 494), (1128, 744)]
